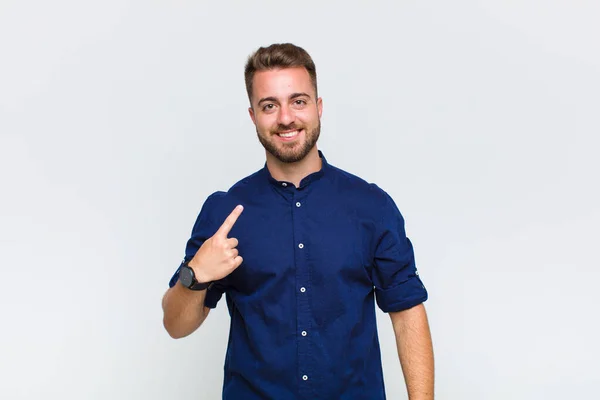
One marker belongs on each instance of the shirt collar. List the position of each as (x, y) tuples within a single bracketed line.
[(305, 181)]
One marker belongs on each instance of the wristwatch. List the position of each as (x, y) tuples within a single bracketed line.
[(188, 278)]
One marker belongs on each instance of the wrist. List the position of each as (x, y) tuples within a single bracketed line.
[(188, 278), (198, 271)]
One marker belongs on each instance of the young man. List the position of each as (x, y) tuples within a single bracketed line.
[(302, 251)]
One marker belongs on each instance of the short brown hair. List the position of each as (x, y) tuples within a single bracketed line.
[(279, 55)]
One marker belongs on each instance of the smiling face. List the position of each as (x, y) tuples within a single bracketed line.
[(286, 112)]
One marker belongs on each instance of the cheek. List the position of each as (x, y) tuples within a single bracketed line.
[(265, 124), (307, 118)]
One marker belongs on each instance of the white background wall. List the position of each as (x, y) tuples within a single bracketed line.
[(118, 118)]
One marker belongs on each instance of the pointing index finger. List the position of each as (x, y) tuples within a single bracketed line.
[(230, 221)]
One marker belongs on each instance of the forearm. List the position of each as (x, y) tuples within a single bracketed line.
[(415, 350), (184, 310)]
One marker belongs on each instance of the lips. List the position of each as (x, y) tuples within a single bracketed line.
[(289, 135)]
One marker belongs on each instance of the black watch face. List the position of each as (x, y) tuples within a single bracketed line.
[(186, 276)]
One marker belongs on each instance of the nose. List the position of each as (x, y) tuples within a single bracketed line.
[(286, 116)]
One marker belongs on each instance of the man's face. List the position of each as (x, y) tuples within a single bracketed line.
[(286, 112)]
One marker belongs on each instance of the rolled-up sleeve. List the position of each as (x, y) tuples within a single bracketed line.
[(395, 277), (203, 229)]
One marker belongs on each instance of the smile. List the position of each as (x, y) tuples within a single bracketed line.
[(289, 134)]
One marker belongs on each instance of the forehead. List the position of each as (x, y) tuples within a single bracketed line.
[(281, 82)]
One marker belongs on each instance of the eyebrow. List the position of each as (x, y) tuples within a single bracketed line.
[(296, 95), (292, 97), (272, 99)]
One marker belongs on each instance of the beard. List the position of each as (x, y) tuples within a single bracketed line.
[(291, 152)]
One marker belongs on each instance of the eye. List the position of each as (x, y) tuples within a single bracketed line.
[(268, 107), (299, 103)]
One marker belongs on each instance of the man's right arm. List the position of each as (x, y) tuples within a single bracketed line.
[(184, 310)]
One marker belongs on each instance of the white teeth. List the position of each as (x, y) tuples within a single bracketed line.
[(288, 134)]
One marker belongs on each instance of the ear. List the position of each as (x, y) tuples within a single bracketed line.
[(251, 112), (320, 106)]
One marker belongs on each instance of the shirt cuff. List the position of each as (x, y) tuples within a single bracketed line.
[(401, 297), (212, 297)]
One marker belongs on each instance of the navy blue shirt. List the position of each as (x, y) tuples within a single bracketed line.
[(302, 304)]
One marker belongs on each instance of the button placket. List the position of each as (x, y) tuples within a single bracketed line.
[(305, 363)]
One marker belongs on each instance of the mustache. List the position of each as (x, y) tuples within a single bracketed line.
[(289, 127)]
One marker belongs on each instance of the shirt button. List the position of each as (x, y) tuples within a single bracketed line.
[(304, 333), (301, 245), (302, 289), (304, 377), (284, 184), (298, 204)]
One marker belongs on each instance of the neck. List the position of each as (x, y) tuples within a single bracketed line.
[(294, 172)]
